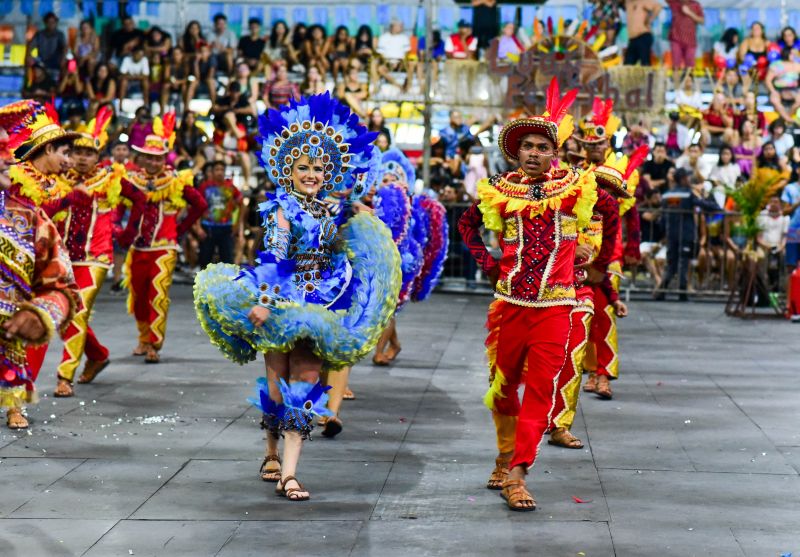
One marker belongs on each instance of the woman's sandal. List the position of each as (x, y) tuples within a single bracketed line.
[(332, 427), (270, 475), (517, 496), (499, 474), (562, 437), (380, 360), (15, 419), (348, 394), (63, 388), (289, 493)]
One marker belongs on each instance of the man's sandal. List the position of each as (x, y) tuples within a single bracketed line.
[(332, 427), (591, 384), (270, 475), (63, 389), (15, 419), (604, 388), (517, 496), (499, 474), (562, 437), (91, 370), (141, 349), (289, 493), (348, 394), (380, 360), (152, 356)]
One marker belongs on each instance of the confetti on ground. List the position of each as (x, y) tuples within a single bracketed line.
[(581, 501)]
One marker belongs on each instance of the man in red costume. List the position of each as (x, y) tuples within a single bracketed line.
[(151, 260), (87, 232), (602, 353), (536, 211)]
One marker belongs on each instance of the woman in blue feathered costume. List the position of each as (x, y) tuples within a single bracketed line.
[(321, 293)]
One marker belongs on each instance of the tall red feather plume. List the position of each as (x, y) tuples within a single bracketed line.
[(52, 113), (18, 138), (636, 159), (558, 106), (100, 120), (591, 33), (550, 25), (169, 124), (601, 111)]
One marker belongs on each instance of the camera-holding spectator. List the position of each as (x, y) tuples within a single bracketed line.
[(746, 147), (87, 48), (678, 136), (41, 87), (72, 90), (101, 88), (222, 223), (191, 39), (456, 132), (655, 170), (641, 14), (204, 72), (693, 162), (124, 41), (377, 123), (393, 48), (223, 43), (190, 141), (277, 47), (140, 127), (135, 69), (340, 49), (313, 84), (353, 92), (176, 78), (50, 46), (295, 46), (315, 49), (686, 16), (777, 135), (783, 83), (278, 91), (251, 46)]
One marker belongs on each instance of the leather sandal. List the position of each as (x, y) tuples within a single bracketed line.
[(516, 494), (284, 492), (15, 419), (591, 383), (270, 475), (604, 388), (152, 356), (499, 474), (348, 394), (91, 370), (332, 427), (393, 352), (562, 437), (63, 389), (380, 360), (141, 349)]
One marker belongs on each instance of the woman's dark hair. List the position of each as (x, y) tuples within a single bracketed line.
[(725, 148), (101, 87), (153, 30), (365, 30), (762, 161), (313, 28), (297, 39), (730, 38), (775, 123), (273, 34), (339, 29), (780, 40), (184, 127), (437, 38), (189, 41)]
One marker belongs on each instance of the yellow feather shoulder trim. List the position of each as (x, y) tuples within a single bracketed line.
[(492, 219), (625, 204), (584, 207)]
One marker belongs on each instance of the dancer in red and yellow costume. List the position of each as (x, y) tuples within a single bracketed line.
[(602, 352), (535, 210), (87, 232), (151, 260), (37, 295)]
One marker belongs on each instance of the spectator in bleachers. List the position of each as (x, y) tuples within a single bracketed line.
[(353, 92), (157, 44), (477, 166), (124, 40), (768, 158), (364, 45), (315, 49), (295, 46), (637, 135), (686, 16), (677, 137), (726, 173), (655, 170), (140, 127), (382, 142), (229, 143), (717, 125), (313, 84), (788, 39), (454, 133), (731, 86), (192, 38), (176, 78), (508, 45), (71, 90), (50, 45), (223, 42), (222, 222), (750, 112), (251, 46), (693, 162), (277, 47), (41, 86), (641, 14), (755, 43), (377, 123), (462, 45), (278, 91), (777, 135), (393, 48), (135, 69), (486, 17), (205, 74), (783, 83), (689, 93), (727, 47), (87, 48), (340, 50), (101, 88), (791, 207), (190, 141), (746, 147), (236, 108), (437, 54)]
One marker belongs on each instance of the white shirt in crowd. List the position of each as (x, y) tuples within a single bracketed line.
[(773, 229), (704, 166), (132, 67), (783, 144), (693, 99), (226, 39), (722, 178), (394, 46)]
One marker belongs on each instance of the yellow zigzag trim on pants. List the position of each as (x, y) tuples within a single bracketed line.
[(611, 341), (75, 345), (160, 303), (571, 390)]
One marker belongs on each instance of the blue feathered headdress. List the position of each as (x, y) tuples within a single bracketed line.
[(322, 128), (369, 179), (396, 162)]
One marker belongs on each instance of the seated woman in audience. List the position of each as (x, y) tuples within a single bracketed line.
[(190, 142), (315, 49), (340, 49), (783, 84), (71, 90), (788, 39), (747, 146), (87, 49), (755, 45), (314, 84), (768, 158), (203, 78), (101, 88), (157, 44), (727, 47), (751, 112), (278, 44), (192, 37), (294, 47), (364, 45), (278, 91), (717, 125), (353, 92), (176, 78), (377, 123)]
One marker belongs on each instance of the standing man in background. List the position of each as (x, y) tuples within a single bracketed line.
[(641, 14)]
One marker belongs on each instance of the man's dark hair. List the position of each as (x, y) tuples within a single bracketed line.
[(219, 16), (775, 123), (48, 16), (658, 144), (681, 174), (215, 164), (252, 20)]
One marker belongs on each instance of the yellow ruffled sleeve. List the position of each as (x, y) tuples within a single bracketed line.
[(489, 196)]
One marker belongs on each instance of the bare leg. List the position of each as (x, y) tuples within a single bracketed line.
[(394, 341), (380, 348)]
